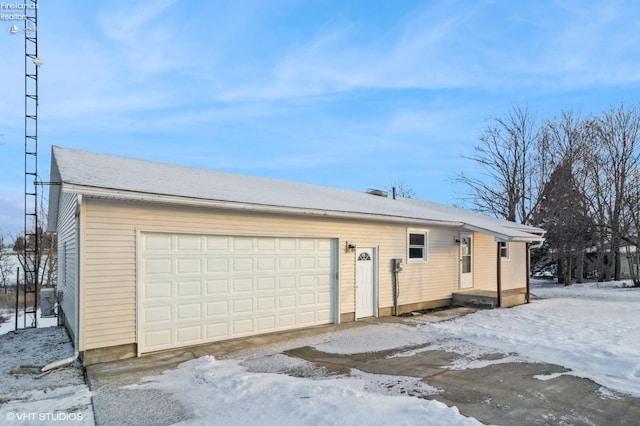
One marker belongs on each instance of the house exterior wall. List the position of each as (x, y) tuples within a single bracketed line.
[(110, 229), (513, 271), (485, 270), (68, 260)]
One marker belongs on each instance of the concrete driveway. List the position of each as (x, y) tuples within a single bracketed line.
[(500, 393)]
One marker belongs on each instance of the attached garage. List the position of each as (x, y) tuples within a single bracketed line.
[(157, 256), (203, 288)]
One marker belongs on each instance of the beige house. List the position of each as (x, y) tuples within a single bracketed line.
[(155, 256)]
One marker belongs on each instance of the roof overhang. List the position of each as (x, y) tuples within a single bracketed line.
[(116, 194), (507, 234)]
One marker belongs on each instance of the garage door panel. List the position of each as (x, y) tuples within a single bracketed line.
[(307, 299), (197, 289), (217, 308), (286, 283), (159, 290), (287, 263), (267, 284), (188, 311), (158, 243), (188, 266), (242, 244), (267, 244), (158, 266), (189, 243), (266, 264), (242, 306), (158, 338), (287, 301), (306, 318), (217, 330), (242, 264), (266, 324), (217, 265), (189, 335), (242, 327), (307, 281), (242, 285), (157, 314), (266, 303), (188, 288)]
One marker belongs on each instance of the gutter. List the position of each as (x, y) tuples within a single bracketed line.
[(61, 363)]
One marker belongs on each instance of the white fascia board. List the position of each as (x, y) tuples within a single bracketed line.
[(523, 237), (233, 205)]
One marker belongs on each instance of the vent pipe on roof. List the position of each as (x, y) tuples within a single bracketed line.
[(377, 192)]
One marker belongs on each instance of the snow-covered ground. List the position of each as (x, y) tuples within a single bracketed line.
[(591, 329), (28, 397), (10, 325)]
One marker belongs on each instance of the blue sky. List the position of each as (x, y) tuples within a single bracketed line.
[(350, 94)]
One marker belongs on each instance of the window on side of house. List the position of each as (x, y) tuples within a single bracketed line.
[(418, 246), (504, 250)]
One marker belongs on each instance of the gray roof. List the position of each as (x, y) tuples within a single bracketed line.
[(127, 178)]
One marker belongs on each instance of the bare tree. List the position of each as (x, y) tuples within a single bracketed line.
[(563, 146), (5, 264), (506, 155), (616, 157), (43, 262), (401, 190)]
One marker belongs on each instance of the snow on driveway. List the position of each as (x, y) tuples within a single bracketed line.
[(591, 329), (224, 392)]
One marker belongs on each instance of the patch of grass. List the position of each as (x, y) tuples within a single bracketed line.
[(8, 300)]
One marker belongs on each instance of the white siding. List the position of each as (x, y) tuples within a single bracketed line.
[(68, 259)]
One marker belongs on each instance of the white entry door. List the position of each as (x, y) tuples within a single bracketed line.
[(466, 260), (366, 282)]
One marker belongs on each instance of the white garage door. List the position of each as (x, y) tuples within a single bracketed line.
[(203, 288)]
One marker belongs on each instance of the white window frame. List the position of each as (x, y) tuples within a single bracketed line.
[(504, 248), (425, 246)]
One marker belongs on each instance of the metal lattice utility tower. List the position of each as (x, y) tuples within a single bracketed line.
[(32, 230)]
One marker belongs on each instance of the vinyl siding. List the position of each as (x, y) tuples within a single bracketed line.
[(514, 270), (434, 279), (485, 269), (68, 259), (110, 257)]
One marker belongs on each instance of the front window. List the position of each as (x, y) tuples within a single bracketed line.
[(418, 246)]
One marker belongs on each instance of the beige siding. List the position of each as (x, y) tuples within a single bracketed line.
[(67, 258), (485, 269), (110, 257), (434, 279), (514, 270)]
